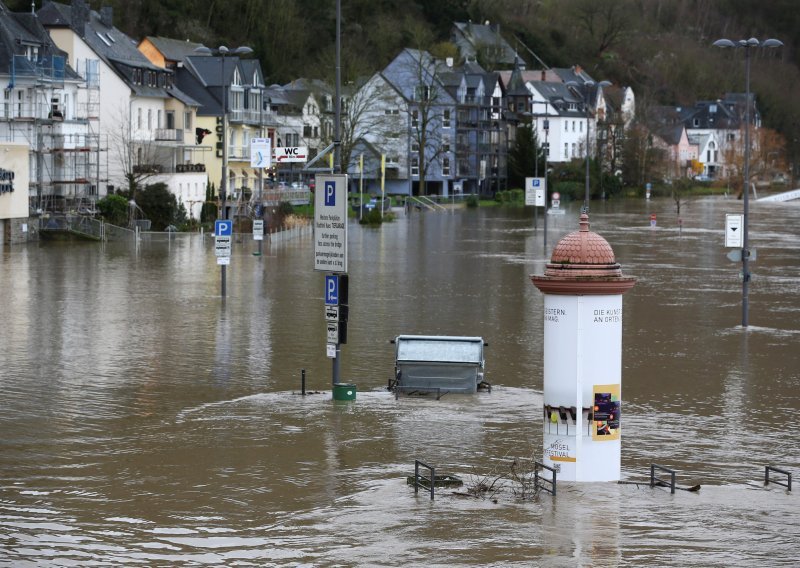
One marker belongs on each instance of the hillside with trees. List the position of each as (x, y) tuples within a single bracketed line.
[(661, 48)]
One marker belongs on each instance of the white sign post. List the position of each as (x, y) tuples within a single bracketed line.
[(330, 223), (260, 153), (733, 230), (534, 191), (291, 154), (258, 229)]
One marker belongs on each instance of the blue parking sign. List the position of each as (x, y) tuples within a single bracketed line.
[(223, 228), (331, 290)]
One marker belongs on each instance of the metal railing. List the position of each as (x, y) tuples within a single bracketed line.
[(76, 224), (657, 480), (417, 477), (541, 482), (767, 479)]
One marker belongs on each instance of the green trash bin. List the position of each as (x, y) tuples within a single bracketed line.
[(344, 391)]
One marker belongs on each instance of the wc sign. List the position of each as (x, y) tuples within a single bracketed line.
[(330, 223)]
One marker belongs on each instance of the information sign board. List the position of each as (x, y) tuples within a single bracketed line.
[(291, 154), (534, 191), (330, 223), (733, 230), (332, 332), (258, 229), (260, 153), (222, 245)]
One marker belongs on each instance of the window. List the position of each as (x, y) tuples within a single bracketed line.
[(566, 126), (445, 147), (187, 120), (446, 118), (415, 166), (158, 120), (414, 118), (574, 150), (149, 119), (580, 126), (138, 118), (566, 150), (446, 167), (423, 93), (573, 126)]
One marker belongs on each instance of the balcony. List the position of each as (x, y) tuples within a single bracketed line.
[(169, 134)]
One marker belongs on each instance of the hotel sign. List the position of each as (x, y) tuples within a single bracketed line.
[(6, 181)]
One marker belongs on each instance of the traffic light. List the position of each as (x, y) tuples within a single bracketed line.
[(200, 133)]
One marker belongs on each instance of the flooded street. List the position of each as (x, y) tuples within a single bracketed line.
[(146, 421)]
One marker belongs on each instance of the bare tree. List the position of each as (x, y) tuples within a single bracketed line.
[(134, 153), (427, 109)]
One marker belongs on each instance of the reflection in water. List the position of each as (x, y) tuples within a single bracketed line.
[(145, 421)]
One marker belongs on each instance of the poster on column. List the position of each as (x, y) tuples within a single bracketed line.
[(607, 406)]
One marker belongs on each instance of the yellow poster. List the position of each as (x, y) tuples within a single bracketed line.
[(606, 413)]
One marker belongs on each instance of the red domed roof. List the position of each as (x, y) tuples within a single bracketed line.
[(583, 263), (583, 247)]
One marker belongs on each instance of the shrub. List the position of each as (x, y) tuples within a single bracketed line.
[(114, 209)]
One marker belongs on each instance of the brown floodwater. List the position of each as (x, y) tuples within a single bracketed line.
[(146, 421)]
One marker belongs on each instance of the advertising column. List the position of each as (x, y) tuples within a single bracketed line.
[(582, 423)]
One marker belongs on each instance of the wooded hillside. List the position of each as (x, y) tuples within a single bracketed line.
[(661, 48)]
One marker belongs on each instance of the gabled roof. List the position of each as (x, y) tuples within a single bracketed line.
[(174, 49), (671, 135), (109, 43), (471, 38), (411, 69), (18, 31)]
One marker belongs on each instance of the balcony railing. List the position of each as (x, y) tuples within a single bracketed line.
[(169, 134), (162, 169)]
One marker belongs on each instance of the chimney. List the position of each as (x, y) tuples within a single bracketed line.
[(544, 75), (79, 16), (107, 16)]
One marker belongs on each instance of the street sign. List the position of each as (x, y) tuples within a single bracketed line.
[(222, 245), (534, 191), (331, 313), (330, 350), (258, 229), (332, 332), (223, 228), (291, 154), (331, 290), (734, 223), (330, 223), (260, 154)]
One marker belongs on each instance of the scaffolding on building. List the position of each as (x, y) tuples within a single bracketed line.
[(68, 157)]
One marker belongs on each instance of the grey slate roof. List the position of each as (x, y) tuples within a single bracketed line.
[(23, 29), (174, 49), (112, 46), (470, 38)]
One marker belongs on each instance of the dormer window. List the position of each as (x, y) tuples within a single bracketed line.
[(237, 79), (32, 53)]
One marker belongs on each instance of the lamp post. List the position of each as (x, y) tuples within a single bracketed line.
[(223, 51), (546, 128), (586, 87), (747, 45)]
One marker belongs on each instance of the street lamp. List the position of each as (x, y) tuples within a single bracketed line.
[(747, 45), (223, 51), (586, 87)]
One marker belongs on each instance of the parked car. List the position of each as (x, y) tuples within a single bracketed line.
[(703, 177)]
